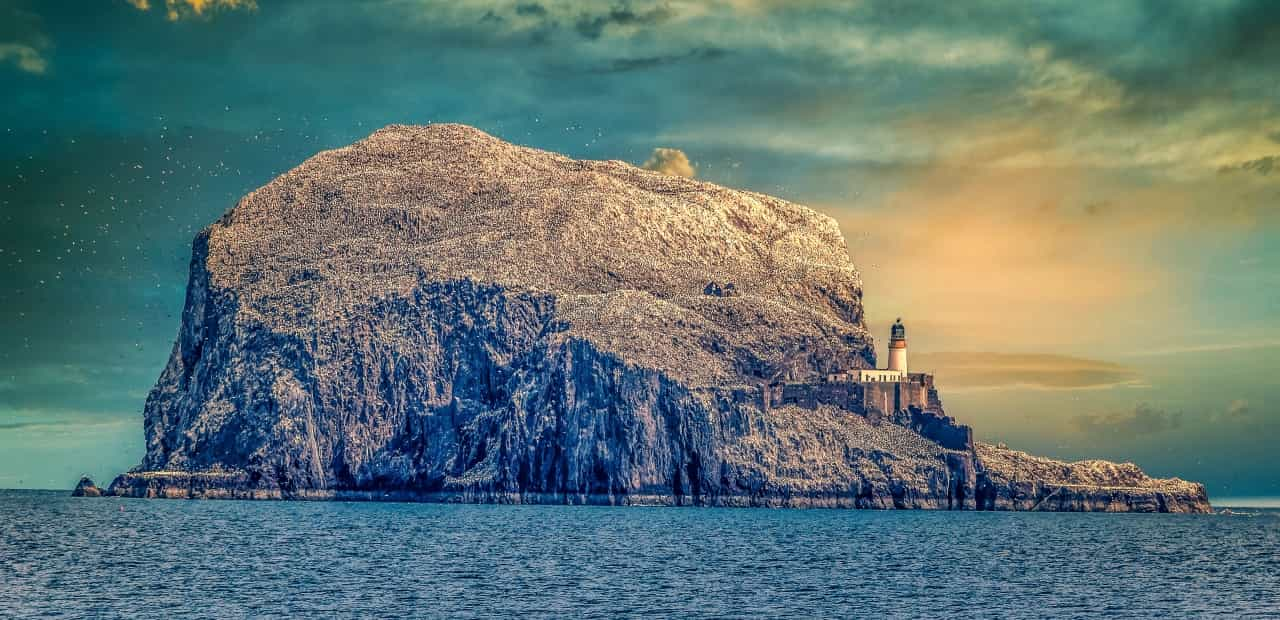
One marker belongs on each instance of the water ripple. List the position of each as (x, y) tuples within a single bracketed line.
[(69, 558)]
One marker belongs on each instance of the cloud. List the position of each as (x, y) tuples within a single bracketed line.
[(67, 425), (1262, 166), (179, 9), (543, 18), (1246, 414), (1141, 421), (1128, 96), (593, 26), (1003, 370), (1062, 82), (1249, 416), (1238, 409), (1263, 343), (670, 161), (531, 9), (23, 57), (639, 63), (23, 42)]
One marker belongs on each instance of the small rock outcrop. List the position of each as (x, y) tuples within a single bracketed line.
[(1013, 480), (434, 314), (86, 488)]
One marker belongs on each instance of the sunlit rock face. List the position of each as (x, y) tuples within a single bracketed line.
[(433, 313)]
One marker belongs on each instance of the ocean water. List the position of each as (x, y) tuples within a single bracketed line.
[(110, 557)]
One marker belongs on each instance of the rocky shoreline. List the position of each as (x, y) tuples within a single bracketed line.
[(1032, 496), (1007, 480)]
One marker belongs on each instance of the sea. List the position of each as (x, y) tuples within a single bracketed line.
[(64, 557)]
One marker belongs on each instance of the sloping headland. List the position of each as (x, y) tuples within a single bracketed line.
[(434, 314)]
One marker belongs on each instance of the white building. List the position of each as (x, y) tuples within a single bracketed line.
[(879, 375)]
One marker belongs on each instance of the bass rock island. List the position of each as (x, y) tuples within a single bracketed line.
[(433, 314)]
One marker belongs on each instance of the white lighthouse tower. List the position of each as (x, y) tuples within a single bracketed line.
[(898, 347), (897, 370)]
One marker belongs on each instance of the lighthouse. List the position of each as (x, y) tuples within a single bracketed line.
[(897, 370), (898, 347)]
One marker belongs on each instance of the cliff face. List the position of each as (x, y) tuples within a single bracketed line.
[(432, 313)]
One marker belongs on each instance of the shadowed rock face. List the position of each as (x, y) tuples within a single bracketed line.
[(86, 488), (432, 313)]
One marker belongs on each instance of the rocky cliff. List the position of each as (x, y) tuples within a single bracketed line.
[(432, 313)]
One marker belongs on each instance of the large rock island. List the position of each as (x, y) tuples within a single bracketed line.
[(434, 314)]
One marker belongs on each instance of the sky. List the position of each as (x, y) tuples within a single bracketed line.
[(1075, 207)]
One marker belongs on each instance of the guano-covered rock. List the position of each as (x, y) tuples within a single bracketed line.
[(434, 314)]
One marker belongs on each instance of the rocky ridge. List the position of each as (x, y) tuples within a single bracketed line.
[(434, 314)]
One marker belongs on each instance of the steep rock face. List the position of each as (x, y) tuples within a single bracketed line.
[(432, 313)]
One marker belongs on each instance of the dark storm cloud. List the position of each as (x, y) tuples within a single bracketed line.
[(1141, 421)]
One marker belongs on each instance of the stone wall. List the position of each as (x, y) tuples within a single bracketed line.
[(913, 404), (871, 400)]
